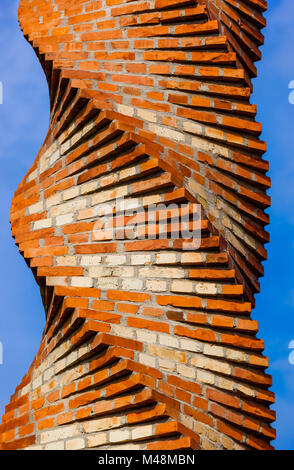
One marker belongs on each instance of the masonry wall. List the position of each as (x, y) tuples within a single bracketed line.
[(147, 344)]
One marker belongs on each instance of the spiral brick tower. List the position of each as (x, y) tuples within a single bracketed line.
[(147, 344)]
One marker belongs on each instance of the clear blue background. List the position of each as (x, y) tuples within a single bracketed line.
[(23, 125)]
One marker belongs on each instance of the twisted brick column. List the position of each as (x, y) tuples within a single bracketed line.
[(146, 345)]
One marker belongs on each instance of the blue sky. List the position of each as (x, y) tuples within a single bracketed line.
[(23, 125)]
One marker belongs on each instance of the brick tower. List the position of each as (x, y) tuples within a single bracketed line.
[(147, 344)]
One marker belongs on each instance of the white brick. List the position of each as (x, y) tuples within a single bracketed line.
[(124, 174), (119, 436), (192, 127), (53, 200), (73, 356), (60, 365), (147, 360), (206, 288), (238, 356), (100, 271), (188, 372), (59, 434), (64, 219), (126, 110), (32, 176), (212, 350), (33, 448), (108, 283), (154, 271), (102, 424), (190, 345), (24, 390), (54, 157), (191, 258), (38, 207), (66, 260), (166, 132), (142, 432), (115, 260), (97, 440), (182, 286), (37, 383), (56, 281), (68, 207), (156, 286), (125, 271), (59, 445), (81, 281), (153, 199), (48, 374), (166, 258), (71, 193), (225, 384), (123, 331), (132, 284), (104, 196), (127, 446), (65, 147), (167, 365), (147, 115), (165, 353), (205, 377), (89, 187), (168, 341), (90, 260), (140, 259), (204, 144), (246, 390), (131, 204), (71, 375), (44, 159), (75, 444), (147, 337)]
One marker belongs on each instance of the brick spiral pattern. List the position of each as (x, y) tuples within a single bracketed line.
[(147, 345)]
